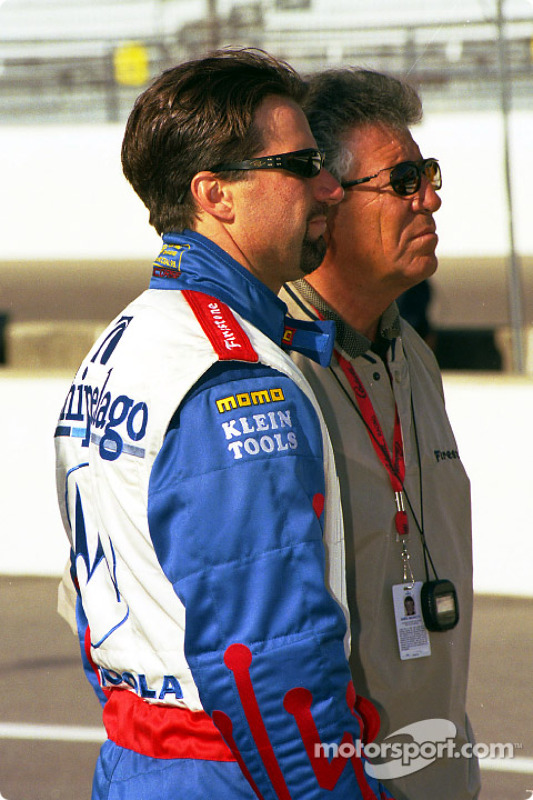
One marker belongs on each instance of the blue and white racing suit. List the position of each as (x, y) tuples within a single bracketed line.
[(197, 487)]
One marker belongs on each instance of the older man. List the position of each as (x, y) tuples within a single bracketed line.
[(405, 494), (195, 474)]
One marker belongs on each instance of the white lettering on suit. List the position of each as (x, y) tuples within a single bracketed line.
[(241, 429)]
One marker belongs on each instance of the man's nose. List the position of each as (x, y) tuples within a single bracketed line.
[(327, 188), (427, 198)]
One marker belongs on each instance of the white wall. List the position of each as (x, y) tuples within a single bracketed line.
[(33, 541), (64, 196), (490, 415), (493, 425)]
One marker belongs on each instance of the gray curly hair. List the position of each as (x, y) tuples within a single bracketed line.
[(339, 100)]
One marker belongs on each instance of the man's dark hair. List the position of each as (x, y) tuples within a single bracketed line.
[(193, 117), (339, 100)]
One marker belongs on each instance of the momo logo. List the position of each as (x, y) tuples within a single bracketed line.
[(249, 399)]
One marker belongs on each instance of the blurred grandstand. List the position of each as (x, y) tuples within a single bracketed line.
[(81, 61)]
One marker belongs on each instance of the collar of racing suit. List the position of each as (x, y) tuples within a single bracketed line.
[(190, 261), (353, 343)]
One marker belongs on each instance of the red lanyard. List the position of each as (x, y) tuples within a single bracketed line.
[(395, 464)]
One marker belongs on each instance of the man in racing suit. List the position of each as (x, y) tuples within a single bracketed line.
[(195, 475)]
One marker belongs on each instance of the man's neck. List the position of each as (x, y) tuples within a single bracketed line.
[(222, 236), (359, 308)]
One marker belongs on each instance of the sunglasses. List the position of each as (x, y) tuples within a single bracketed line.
[(304, 163), (406, 177)]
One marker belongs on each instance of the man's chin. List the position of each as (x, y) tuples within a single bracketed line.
[(431, 265), (313, 253), (421, 269)]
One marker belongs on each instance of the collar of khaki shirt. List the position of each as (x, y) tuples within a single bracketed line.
[(352, 342)]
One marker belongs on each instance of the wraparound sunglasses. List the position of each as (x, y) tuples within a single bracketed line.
[(304, 163), (406, 177)]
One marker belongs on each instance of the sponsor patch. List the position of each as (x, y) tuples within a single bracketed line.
[(168, 262), (227, 337), (94, 415), (244, 399), (446, 455), (288, 335), (260, 434)]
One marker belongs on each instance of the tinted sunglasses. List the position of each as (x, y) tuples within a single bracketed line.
[(304, 163), (406, 177)]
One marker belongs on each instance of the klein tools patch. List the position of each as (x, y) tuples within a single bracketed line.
[(254, 435)]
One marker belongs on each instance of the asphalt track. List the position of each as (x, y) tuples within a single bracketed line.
[(50, 723)]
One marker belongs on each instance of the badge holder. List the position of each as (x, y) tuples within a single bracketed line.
[(421, 607), (413, 636)]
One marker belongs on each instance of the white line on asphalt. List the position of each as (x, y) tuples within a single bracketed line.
[(58, 733), (523, 766), (72, 733)]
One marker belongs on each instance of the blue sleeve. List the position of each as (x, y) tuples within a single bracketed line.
[(235, 514)]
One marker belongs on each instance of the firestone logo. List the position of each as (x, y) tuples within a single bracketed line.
[(430, 739)]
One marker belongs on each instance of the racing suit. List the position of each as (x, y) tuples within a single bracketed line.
[(400, 374), (197, 486)]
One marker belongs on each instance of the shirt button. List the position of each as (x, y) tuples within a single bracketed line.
[(376, 376)]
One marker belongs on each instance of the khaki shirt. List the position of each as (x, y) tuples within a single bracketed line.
[(436, 483)]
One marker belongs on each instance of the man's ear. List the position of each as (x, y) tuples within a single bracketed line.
[(213, 195)]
